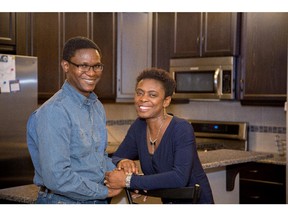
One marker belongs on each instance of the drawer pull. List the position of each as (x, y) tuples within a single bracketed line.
[(255, 197), (253, 171)]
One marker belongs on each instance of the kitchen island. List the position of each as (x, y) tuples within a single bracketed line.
[(210, 160)]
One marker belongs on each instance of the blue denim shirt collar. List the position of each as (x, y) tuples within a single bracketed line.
[(78, 97)]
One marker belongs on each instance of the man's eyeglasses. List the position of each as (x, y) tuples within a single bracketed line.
[(85, 68)]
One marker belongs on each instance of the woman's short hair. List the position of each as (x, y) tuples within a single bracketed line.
[(76, 43), (161, 75)]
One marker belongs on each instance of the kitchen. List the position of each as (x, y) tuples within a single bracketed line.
[(265, 120)]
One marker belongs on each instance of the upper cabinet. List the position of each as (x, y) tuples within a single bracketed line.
[(263, 78), (47, 33), (7, 33), (184, 35), (162, 39), (45, 43), (134, 51), (205, 34), (104, 34)]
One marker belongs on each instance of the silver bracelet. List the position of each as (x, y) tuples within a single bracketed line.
[(128, 180)]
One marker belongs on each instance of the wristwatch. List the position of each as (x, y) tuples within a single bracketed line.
[(128, 180)]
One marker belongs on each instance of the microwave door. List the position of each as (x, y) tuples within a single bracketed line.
[(218, 82)]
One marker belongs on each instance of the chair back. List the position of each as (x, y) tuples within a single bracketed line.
[(192, 192)]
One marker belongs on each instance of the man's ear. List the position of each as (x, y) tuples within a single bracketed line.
[(65, 66)]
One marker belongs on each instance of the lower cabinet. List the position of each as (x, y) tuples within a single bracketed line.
[(262, 183)]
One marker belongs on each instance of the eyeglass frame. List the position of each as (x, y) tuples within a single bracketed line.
[(101, 65)]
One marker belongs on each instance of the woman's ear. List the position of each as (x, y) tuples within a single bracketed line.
[(167, 101)]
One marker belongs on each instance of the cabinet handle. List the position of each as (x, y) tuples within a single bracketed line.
[(255, 197), (253, 171), (197, 40), (241, 85)]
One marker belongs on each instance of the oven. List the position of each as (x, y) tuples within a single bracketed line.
[(213, 135)]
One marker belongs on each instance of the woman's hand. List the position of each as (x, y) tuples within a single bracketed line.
[(129, 166), (115, 179), (136, 195)]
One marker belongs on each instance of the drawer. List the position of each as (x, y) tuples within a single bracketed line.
[(261, 193), (264, 172)]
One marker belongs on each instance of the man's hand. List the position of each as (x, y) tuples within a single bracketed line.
[(114, 192), (115, 179)]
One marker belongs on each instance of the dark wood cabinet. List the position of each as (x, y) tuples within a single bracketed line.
[(44, 36), (262, 183), (205, 34), (263, 78), (7, 33), (46, 41), (162, 39), (181, 35), (104, 34)]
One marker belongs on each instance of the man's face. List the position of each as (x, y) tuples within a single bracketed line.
[(84, 82)]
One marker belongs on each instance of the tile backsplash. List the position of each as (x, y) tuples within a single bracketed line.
[(264, 122)]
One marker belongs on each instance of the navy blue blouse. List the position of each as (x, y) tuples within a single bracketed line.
[(175, 162)]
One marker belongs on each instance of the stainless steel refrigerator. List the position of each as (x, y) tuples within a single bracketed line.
[(18, 99)]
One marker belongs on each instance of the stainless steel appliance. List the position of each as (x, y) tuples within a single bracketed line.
[(211, 78), (212, 135), (18, 99)]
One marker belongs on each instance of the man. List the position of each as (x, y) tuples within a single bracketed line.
[(67, 135)]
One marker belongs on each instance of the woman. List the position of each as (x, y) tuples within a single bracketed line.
[(164, 144)]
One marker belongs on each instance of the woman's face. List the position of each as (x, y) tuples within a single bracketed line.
[(84, 82), (150, 99)]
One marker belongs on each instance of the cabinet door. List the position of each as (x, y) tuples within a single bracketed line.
[(134, 51), (46, 39), (264, 58), (76, 24), (187, 35), (206, 34), (162, 39), (104, 34), (49, 32), (7, 33), (220, 34)]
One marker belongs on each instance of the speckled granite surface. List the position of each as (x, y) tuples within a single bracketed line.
[(22, 194), (210, 159), (225, 157), (276, 159)]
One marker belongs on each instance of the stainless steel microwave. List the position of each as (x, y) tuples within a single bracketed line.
[(209, 78)]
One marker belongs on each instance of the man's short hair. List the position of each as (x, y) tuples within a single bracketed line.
[(76, 43)]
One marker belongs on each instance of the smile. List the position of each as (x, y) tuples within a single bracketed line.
[(89, 81), (144, 108)]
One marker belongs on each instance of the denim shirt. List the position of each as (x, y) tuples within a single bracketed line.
[(67, 140)]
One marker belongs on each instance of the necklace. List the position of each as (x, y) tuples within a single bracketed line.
[(153, 142)]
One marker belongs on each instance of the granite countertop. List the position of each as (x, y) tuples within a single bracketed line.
[(225, 157), (210, 159), (22, 194), (276, 159)]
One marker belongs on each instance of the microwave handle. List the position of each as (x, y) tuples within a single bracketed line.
[(218, 81)]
